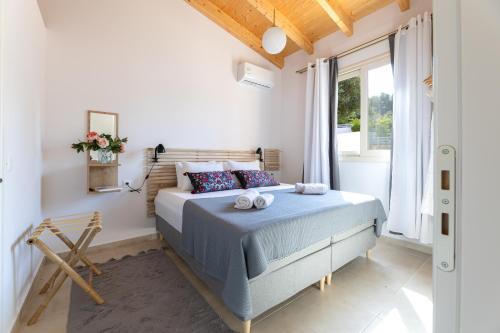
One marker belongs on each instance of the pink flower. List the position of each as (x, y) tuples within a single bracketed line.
[(91, 136), (122, 148), (102, 142)]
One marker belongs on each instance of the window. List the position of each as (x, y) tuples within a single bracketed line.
[(349, 114), (380, 91), (365, 110)]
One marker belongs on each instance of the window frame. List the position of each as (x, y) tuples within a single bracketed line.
[(361, 69)]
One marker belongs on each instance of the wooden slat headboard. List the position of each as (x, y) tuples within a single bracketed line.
[(272, 160), (163, 174)]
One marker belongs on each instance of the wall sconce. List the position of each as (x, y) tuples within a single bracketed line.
[(259, 151), (158, 150)]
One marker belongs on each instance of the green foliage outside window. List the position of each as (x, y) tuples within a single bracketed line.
[(356, 125), (380, 121), (349, 108), (379, 113)]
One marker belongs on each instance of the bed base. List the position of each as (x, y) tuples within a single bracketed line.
[(276, 286)]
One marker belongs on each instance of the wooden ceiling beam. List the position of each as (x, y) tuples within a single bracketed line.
[(403, 4), (267, 9), (226, 22), (338, 15)]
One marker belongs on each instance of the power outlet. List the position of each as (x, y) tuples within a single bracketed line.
[(126, 182)]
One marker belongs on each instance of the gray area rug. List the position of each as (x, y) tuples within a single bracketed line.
[(143, 293)]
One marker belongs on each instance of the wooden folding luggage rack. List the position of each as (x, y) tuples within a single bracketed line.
[(90, 225)]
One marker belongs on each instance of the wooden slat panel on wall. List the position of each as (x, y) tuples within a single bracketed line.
[(271, 159), (163, 174)]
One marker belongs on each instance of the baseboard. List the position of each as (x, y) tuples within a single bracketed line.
[(17, 322), (408, 244)]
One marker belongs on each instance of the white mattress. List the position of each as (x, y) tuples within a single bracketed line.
[(169, 202)]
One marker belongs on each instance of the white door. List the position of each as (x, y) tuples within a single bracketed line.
[(447, 108), (2, 320), (467, 90)]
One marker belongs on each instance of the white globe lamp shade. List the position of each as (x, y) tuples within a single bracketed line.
[(274, 40)]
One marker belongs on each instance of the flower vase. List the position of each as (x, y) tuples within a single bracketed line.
[(105, 156)]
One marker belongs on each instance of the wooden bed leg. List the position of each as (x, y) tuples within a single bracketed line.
[(329, 279), (369, 254), (322, 284), (246, 326)]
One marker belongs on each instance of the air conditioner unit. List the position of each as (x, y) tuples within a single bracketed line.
[(255, 75)]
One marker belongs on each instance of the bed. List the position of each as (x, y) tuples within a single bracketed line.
[(254, 260)]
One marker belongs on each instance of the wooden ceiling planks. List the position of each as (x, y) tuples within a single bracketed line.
[(273, 15), (304, 21), (360, 8), (338, 15), (308, 17), (210, 10)]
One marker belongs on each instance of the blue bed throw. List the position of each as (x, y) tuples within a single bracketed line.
[(234, 246)]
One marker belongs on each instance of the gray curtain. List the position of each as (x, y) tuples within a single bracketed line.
[(391, 50), (333, 146)]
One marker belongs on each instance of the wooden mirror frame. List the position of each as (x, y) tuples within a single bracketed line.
[(98, 174), (89, 114)]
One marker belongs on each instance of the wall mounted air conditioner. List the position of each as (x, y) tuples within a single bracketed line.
[(255, 75)]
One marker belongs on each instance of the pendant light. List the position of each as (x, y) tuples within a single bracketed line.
[(274, 39)]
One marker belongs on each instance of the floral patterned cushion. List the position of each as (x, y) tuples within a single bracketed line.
[(212, 181), (255, 178)]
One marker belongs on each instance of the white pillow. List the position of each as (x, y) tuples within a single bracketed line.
[(183, 182), (179, 170), (233, 165)]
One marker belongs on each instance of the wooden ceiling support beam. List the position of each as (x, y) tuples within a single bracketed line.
[(226, 22), (267, 9), (403, 4), (338, 15)]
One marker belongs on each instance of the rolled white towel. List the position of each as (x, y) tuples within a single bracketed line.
[(315, 188), (263, 200), (246, 199), (299, 187)]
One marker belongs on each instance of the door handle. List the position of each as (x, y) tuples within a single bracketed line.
[(444, 212)]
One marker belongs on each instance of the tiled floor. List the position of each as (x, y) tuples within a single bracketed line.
[(391, 292)]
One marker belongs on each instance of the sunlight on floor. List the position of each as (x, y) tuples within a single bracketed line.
[(401, 319), (422, 306), (392, 323)]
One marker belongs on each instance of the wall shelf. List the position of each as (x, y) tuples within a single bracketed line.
[(95, 164), (105, 189), (102, 175)]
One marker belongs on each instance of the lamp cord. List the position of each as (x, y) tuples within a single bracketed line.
[(139, 189)]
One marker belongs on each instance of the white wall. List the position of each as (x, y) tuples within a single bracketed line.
[(22, 93), (480, 267), (365, 177), (170, 74)]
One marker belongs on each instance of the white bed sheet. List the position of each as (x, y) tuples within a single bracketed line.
[(169, 202)]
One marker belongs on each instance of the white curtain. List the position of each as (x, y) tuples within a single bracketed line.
[(412, 129), (316, 146), (426, 231)]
